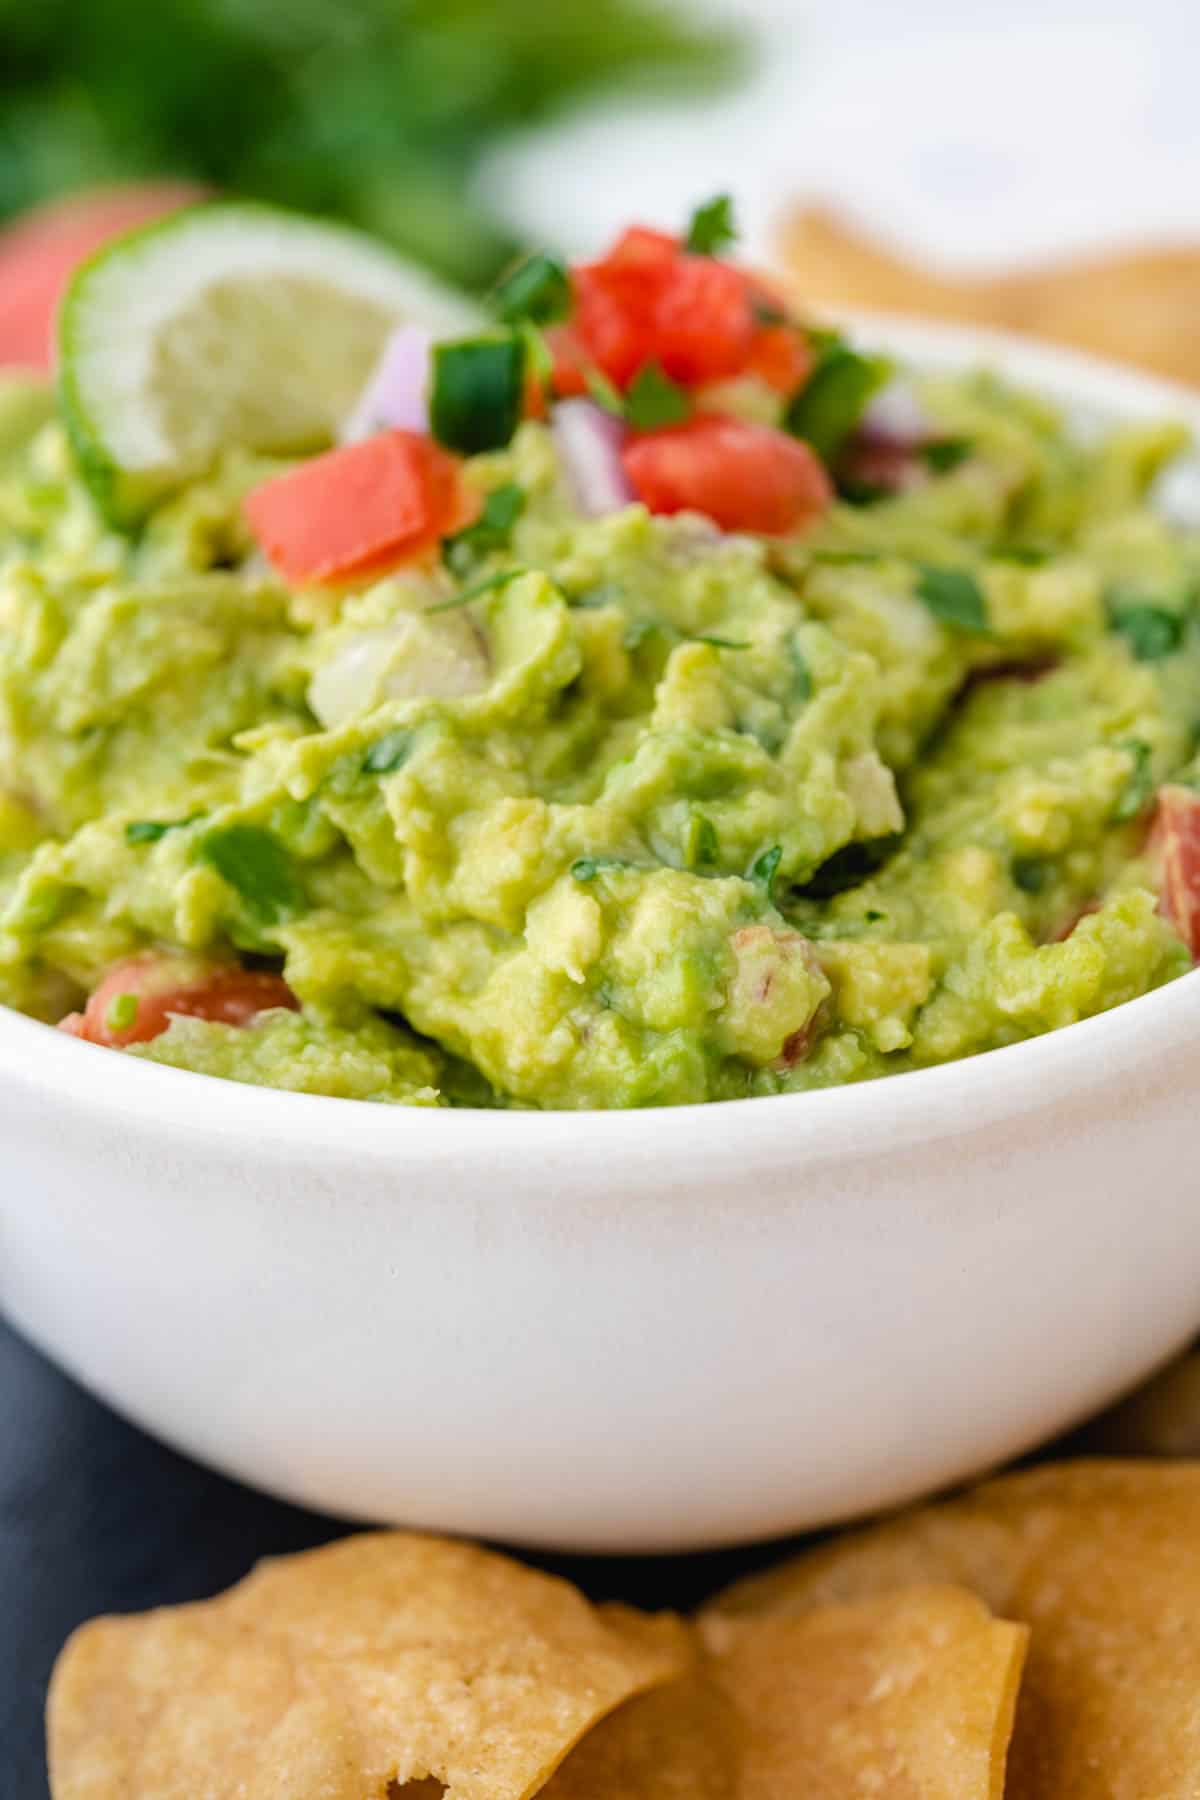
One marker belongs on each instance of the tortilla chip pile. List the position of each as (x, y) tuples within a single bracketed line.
[(889, 1664), (1138, 306)]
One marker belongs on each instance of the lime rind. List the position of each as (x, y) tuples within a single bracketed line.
[(225, 324)]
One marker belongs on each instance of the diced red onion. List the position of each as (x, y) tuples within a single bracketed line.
[(396, 398), (589, 442)]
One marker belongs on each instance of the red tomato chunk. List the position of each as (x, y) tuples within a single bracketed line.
[(137, 998), (745, 477), (1176, 838), (650, 301), (355, 510)]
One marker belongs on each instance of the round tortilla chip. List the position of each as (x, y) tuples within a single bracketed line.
[(680, 1742), (1100, 1560), (379, 1661), (909, 1695)]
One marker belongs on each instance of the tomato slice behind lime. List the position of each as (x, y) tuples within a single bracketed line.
[(39, 251)]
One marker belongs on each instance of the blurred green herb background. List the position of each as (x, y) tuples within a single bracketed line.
[(375, 111)]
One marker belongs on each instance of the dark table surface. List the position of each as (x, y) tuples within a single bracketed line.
[(97, 1517)]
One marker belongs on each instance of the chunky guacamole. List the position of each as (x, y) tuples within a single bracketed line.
[(602, 809)]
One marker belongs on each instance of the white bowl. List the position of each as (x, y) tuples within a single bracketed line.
[(622, 1331)]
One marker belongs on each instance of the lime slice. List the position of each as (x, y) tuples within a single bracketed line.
[(226, 324)]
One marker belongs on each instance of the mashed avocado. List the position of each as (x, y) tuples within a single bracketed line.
[(611, 812)]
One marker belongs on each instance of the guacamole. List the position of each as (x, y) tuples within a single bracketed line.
[(604, 811)]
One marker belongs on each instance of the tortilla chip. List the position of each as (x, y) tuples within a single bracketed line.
[(1100, 1559), (384, 1659), (910, 1695), (1139, 306), (681, 1742)]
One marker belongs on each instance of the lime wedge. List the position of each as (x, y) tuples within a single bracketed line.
[(226, 325)]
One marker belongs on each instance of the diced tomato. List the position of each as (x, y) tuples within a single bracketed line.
[(648, 300), (703, 327), (358, 509), (782, 357), (745, 477), (613, 320), (39, 251), (1175, 842), (641, 247), (162, 985), (570, 361)]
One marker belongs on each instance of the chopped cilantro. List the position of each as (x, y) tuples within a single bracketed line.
[(478, 392), (148, 831), (490, 531), (837, 557), (802, 681), (873, 916), (763, 870), (586, 868), (1138, 791), (1030, 873), (122, 1011), (388, 753), (703, 849), (654, 400), (954, 597), (490, 584), (637, 631), (602, 391), (721, 643), (712, 228), (1030, 555), (1151, 631), (825, 410), (537, 291), (862, 493), (257, 867), (943, 454)]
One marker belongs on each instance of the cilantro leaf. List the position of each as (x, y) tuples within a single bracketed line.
[(654, 400), (825, 410), (148, 831), (586, 868), (490, 584), (802, 681), (1151, 631), (702, 848), (490, 531), (257, 867), (943, 454), (388, 753), (1138, 791), (604, 392), (712, 227), (954, 597), (763, 870), (478, 392), (537, 291)]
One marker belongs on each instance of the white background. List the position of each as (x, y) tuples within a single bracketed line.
[(973, 133)]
